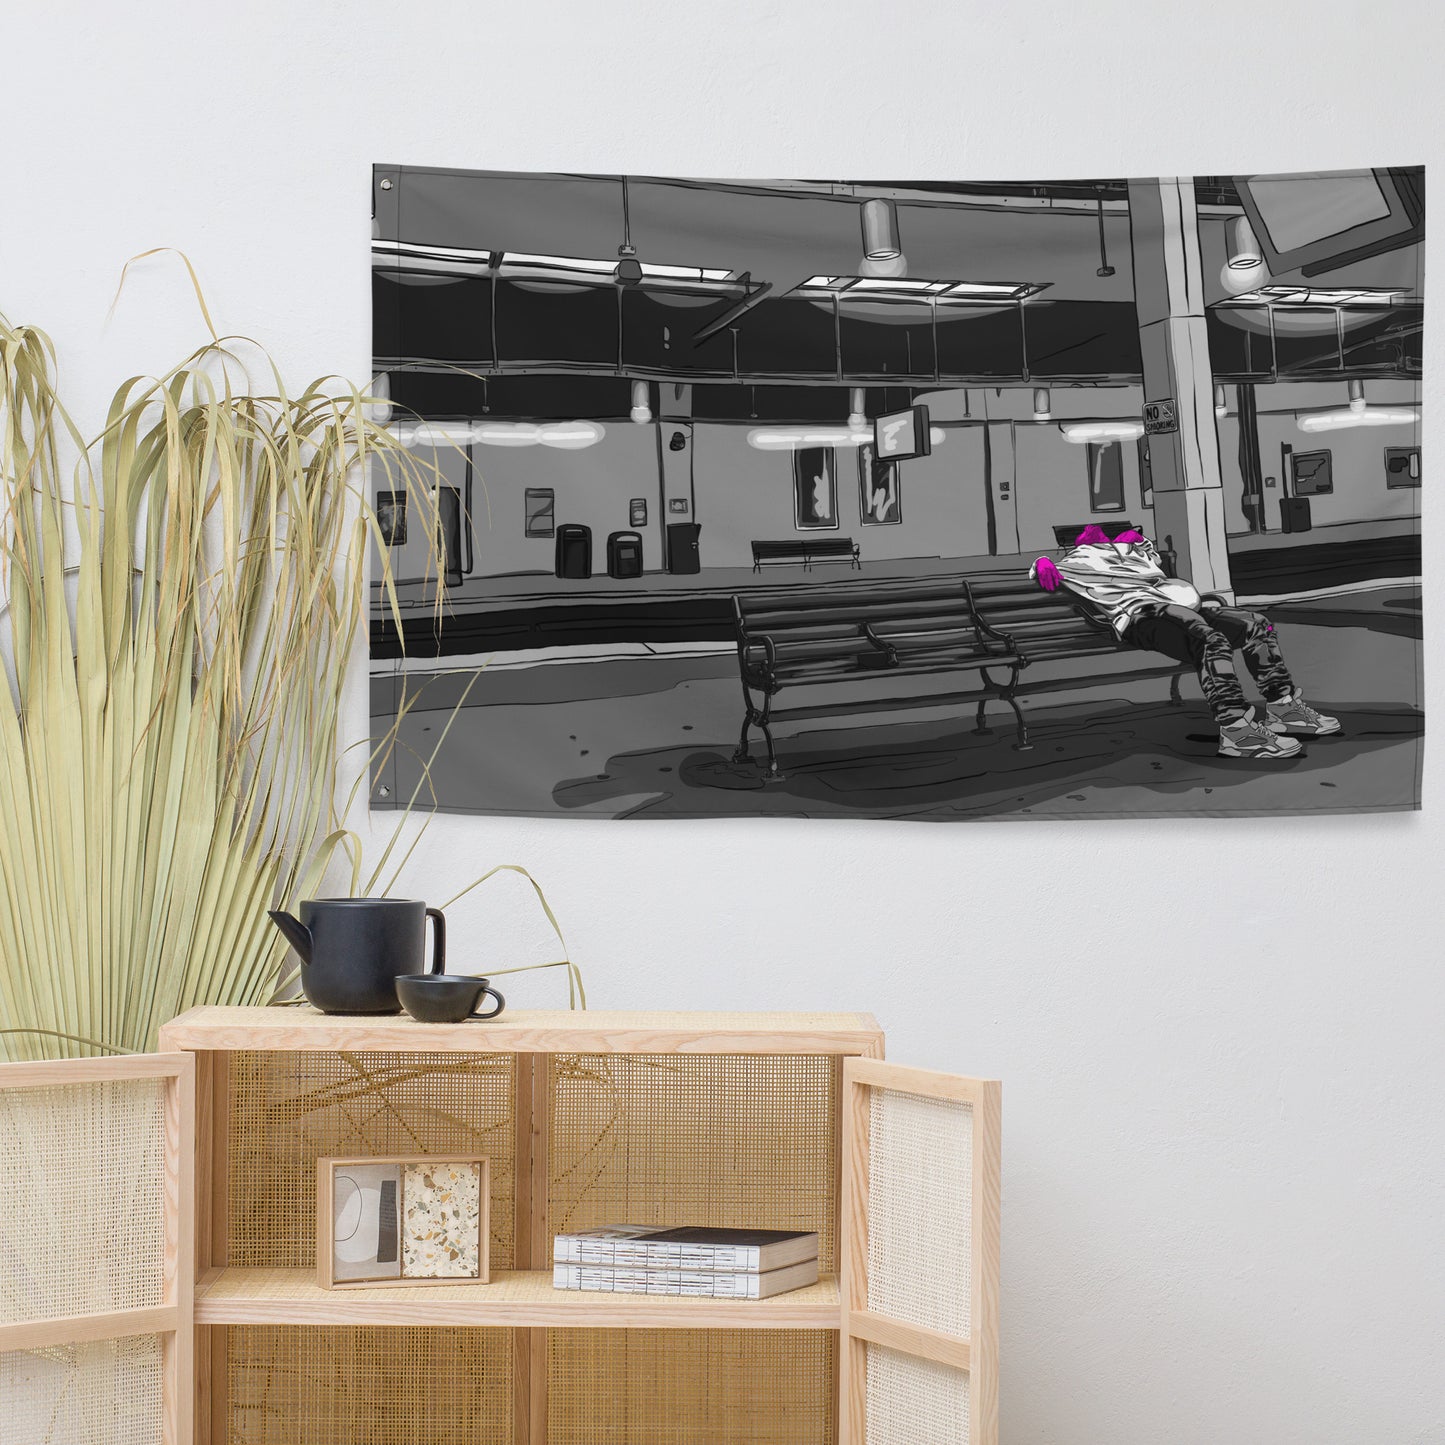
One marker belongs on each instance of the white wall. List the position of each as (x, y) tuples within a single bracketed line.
[(1220, 1040)]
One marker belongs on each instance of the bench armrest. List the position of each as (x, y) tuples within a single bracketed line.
[(889, 651), (987, 632)]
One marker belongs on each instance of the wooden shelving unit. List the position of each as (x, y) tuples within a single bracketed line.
[(783, 1120)]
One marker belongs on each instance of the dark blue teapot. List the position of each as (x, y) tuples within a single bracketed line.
[(353, 950)]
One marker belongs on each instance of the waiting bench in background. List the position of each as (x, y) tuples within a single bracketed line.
[(806, 550)]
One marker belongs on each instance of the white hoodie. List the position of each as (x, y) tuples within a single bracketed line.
[(1117, 579)]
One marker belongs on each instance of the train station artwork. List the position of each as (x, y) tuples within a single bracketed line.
[(897, 499)]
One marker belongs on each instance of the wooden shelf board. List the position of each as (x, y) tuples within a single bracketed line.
[(519, 1298), (527, 1031)]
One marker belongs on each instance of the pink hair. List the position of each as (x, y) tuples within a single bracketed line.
[(1091, 536)]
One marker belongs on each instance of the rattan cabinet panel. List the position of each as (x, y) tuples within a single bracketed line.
[(691, 1387), (287, 1110), (379, 1385), (740, 1140), (96, 1214)]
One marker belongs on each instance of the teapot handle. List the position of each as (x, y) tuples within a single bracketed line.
[(439, 940)]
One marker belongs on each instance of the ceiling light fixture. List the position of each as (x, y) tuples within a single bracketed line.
[(380, 411), (877, 288), (641, 411), (629, 268), (1278, 295), (1342, 419), (1245, 268), (1105, 269), (792, 439), (1102, 431), (1356, 392), (1244, 252), (857, 408), (882, 249), (1221, 401), (562, 435), (1043, 406)]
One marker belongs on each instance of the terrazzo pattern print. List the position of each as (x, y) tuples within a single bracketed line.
[(441, 1221)]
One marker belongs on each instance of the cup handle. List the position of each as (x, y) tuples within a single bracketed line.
[(501, 1004), (439, 940)]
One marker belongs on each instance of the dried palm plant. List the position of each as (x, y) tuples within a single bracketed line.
[(184, 593)]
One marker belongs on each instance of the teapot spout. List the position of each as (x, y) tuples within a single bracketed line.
[(297, 933)]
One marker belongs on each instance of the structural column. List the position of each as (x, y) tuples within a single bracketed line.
[(1178, 383)]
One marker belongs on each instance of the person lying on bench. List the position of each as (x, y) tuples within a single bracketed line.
[(1124, 583)]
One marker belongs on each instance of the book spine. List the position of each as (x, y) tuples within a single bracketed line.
[(642, 1254), (703, 1284)]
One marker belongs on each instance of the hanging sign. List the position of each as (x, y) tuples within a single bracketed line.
[(1161, 416)]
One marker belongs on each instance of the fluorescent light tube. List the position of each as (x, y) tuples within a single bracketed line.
[(1102, 431), (1344, 419)]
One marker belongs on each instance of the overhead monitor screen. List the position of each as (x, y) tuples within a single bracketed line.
[(1300, 209)]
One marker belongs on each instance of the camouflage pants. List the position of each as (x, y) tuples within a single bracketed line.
[(1208, 639)]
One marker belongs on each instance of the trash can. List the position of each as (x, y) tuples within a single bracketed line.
[(1294, 514), (574, 551), (624, 554)]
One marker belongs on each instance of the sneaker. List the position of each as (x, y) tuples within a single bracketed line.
[(1295, 715), (1249, 738)]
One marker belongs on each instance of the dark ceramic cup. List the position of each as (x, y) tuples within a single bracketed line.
[(445, 998)]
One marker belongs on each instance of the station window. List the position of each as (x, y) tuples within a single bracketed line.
[(1313, 474), (1106, 477), (541, 511), (1402, 466)]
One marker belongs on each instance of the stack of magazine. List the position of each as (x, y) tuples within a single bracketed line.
[(691, 1260)]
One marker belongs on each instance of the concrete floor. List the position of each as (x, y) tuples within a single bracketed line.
[(651, 734)]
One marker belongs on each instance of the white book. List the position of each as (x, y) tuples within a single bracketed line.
[(651, 1246), (698, 1283)]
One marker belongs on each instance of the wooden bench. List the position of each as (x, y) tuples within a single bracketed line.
[(982, 623), (806, 550)]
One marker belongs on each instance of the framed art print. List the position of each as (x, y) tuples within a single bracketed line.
[(402, 1220), (815, 489), (878, 499)]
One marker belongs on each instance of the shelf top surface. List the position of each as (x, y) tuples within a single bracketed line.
[(292, 1296), (525, 1031)]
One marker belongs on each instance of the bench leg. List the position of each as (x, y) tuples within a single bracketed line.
[(1023, 745), (981, 727), (750, 716), (1005, 692), (774, 773), (742, 755), (1175, 698), (753, 718)]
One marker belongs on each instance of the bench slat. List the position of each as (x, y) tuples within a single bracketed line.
[(822, 648), (803, 674), (774, 623), (848, 597), (1022, 610)]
